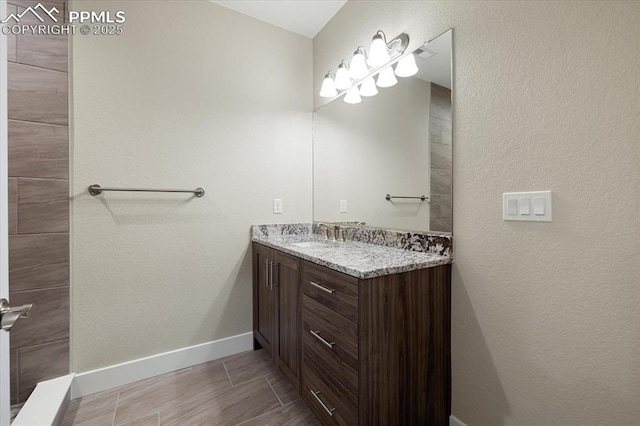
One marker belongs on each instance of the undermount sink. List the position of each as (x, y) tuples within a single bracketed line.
[(312, 244)]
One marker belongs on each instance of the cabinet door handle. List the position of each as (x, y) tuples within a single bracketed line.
[(327, 409), (266, 272), (323, 288), (273, 265), (326, 342)]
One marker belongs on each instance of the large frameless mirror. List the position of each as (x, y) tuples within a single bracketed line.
[(387, 160)]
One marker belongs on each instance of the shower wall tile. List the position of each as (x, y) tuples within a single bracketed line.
[(13, 206), (38, 150), (37, 94), (48, 321), (38, 261), (13, 373), (441, 156), (12, 40), (43, 206), (46, 51), (38, 163), (41, 362), (440, 181)]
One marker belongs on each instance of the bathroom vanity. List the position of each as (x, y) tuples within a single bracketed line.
[(361, 330)]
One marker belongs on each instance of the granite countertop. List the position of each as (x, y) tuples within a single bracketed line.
[(358, 259)]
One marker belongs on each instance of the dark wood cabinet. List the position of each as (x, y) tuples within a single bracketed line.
[(277, 314), (361, 351)]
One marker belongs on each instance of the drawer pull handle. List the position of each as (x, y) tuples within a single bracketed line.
[(317, 336), (327, 409), (323, 288)]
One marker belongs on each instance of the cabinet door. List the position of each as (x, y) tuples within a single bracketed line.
[(287, 279), (264, 299)]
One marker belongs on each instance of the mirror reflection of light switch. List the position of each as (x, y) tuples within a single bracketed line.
[(538, 206), (343, 206), (525, 206), (512, 207)]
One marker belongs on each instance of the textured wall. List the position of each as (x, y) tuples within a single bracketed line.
[(38, 160), (362, 152), (191, 95), (546, 327)]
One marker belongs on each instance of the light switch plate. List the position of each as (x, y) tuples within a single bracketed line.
[(531, 206), (277, 205), (343, 206)]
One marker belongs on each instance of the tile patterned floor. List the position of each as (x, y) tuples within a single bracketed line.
[(243, 389)]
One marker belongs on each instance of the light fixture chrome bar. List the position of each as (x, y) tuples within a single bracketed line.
[(390, 197), (403, 39), (97, 190)]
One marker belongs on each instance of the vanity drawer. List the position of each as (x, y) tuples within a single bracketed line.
[(333, 289), (333, 340), (331, 402)]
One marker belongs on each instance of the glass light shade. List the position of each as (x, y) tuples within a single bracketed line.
[(406, 66), (328, 89), (386, 78), (358, 66), (368, 87), (353, 96), (378, 54), (342, 78)]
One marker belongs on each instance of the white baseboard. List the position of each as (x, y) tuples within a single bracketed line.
[(453, 421), (47, 403), (113, 376)]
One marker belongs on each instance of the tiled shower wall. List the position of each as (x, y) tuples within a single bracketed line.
[(440, 207), (38, 203)]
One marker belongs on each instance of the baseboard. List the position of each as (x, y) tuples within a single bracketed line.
[(47, 404), (453, 421), (113, 376)]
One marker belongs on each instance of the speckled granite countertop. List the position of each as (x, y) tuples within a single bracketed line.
[(358, 259)]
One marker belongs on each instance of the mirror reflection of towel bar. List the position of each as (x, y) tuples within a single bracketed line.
[(97, 190), (389, 197)]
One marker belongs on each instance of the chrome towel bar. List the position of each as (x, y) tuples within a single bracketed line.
[(97, 190), (389, 197)]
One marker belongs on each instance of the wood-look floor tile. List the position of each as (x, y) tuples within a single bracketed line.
[(48, 320), (43, 206), (227, 407), (150, 420), (41, 362), (169, 390), (249, 366), (38, 261), (38, 150), (293, 414), (92, 410), (13, 205), (283, 387)]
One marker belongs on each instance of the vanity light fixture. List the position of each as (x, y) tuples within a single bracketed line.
[(358, 66), (342, 80), (328, 89), (353, 96), (368, 87), (407, 66), (386, 78), (362, 69)]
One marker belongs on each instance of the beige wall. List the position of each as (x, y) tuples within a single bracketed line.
[(362, 152), (546, 317), (191, 95)]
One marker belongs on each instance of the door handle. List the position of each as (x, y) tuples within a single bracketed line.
[(9, 316)]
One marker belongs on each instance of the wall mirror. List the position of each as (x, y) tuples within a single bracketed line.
[(395, 144)]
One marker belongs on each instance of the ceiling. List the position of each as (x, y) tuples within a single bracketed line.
[(304, 17)]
